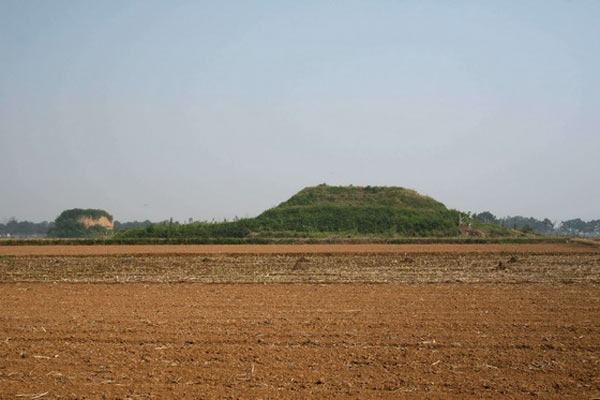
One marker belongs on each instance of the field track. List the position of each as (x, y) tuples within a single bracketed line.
[(294, 249)]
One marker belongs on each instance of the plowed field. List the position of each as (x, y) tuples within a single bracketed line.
[(477, 323), (294, 249)]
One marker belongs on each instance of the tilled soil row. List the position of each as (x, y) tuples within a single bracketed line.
[(581, 268), (88, 250), (76, 341)]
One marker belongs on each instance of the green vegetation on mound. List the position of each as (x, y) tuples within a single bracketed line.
[(362, 196), (315, 214), (323, 211), (79, 223)]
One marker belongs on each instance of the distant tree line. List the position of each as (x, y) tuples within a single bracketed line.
[(25, 229), (576, 227), (121, 226), (289, 222)]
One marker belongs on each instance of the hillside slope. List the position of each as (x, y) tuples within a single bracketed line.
[(325, 210), (390, 196), (360, 211)]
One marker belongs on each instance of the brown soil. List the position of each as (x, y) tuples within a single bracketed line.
[(102, 221), (296, 249), (78, 341), (309, 267), (452, 321)]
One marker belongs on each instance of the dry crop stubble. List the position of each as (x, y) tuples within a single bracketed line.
[(310, 267)]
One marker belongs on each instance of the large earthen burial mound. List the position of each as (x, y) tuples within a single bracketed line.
[(79, 222)]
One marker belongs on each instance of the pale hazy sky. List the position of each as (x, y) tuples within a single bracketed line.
[(158, 109)]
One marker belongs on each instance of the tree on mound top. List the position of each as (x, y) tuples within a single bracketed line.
[(77, 222)]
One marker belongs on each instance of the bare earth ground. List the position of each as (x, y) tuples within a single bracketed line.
[(308, 268), (486, 323), (292, 249)]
